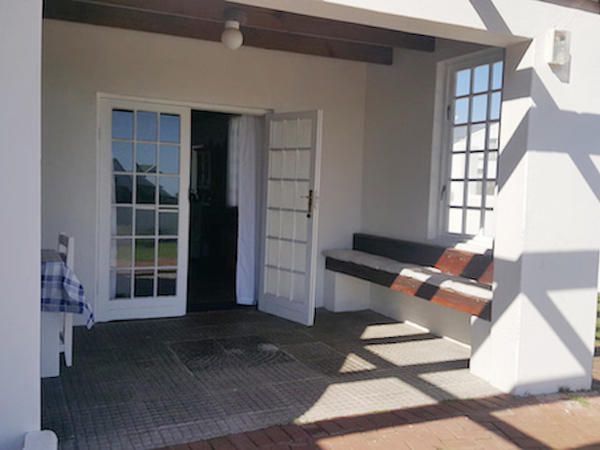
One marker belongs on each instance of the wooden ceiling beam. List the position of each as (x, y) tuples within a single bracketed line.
[(96, 13), (280, 21), (310, 45), (198, 9)]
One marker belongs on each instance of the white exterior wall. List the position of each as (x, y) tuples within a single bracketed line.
[(396, 171), (81, 60), (20, 53), (547, 240)]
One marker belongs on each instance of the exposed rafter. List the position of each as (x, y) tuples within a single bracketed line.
[(263, 28)]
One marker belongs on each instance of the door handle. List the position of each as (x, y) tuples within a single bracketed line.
[(310, 198)]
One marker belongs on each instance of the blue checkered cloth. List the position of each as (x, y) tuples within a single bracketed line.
[(61, 290)]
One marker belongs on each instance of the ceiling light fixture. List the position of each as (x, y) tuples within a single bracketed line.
[(232, 37)]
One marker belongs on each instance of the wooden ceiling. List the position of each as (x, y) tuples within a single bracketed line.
[(263, 28)]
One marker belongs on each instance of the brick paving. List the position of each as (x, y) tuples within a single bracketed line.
[(562, 421)]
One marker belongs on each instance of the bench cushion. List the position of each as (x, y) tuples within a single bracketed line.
[(430, 283)]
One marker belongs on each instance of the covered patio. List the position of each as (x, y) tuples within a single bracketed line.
[(155, 383), (422, 209)]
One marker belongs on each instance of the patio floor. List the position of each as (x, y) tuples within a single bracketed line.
[(153, 383)]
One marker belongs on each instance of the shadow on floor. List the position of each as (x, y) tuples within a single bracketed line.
[(497, 422), (151, 383)]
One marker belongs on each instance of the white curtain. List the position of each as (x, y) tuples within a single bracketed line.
[(245, 142)]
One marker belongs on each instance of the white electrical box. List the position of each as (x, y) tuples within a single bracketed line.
[(558, 47)]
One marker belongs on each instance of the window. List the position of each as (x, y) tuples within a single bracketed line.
[(471, 151), (145, 203)]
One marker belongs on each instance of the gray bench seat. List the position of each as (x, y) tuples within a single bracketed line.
[(443, 282)]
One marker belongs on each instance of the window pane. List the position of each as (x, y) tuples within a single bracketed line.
[(145, 158), (497, 72), (479, 110), (473, 225), (144, 222), (490, 194), (169, 159), (461, 111), (459, 139), (492, 168), (495, 106), (474, 193), (122, 153), (167, 282), (474, 148), (168, 223), (123, 189), (490, 223), (122, 227), (146, 189), (144, 252), (146, 126), (122, 124), (458, 166), (167, 252), (457, 193), (455, 217), (494, 135), (169, 190), (477, 137), (144, 283), (481, 78), (169, 128), (463, 82), (476, 165), (121, 255), (122, 284)]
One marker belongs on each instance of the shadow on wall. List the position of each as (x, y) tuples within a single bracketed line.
[(556, 140)]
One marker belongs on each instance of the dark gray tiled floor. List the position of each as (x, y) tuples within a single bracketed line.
[(150, 383)]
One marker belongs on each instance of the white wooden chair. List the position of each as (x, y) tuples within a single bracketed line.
[(66, 249)]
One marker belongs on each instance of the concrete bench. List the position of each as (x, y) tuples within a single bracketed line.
[(449, 277)]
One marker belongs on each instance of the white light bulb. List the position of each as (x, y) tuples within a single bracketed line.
[(232, 37)]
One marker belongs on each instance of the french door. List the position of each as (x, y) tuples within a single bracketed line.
[(291, 180), (144, 151)]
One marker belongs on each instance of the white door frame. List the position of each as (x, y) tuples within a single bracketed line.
[(104, 311)]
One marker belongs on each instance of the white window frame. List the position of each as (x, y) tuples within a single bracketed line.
[(441, 153)]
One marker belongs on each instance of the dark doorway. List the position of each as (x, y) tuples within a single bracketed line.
[(213, 224)]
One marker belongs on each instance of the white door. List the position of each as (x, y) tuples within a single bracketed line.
[(144, 151), (287, 285)]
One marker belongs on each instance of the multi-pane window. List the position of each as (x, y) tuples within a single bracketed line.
[(145, 203), (476, 98)]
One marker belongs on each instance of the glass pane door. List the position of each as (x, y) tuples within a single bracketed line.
[(145, 203), (292, 181)]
